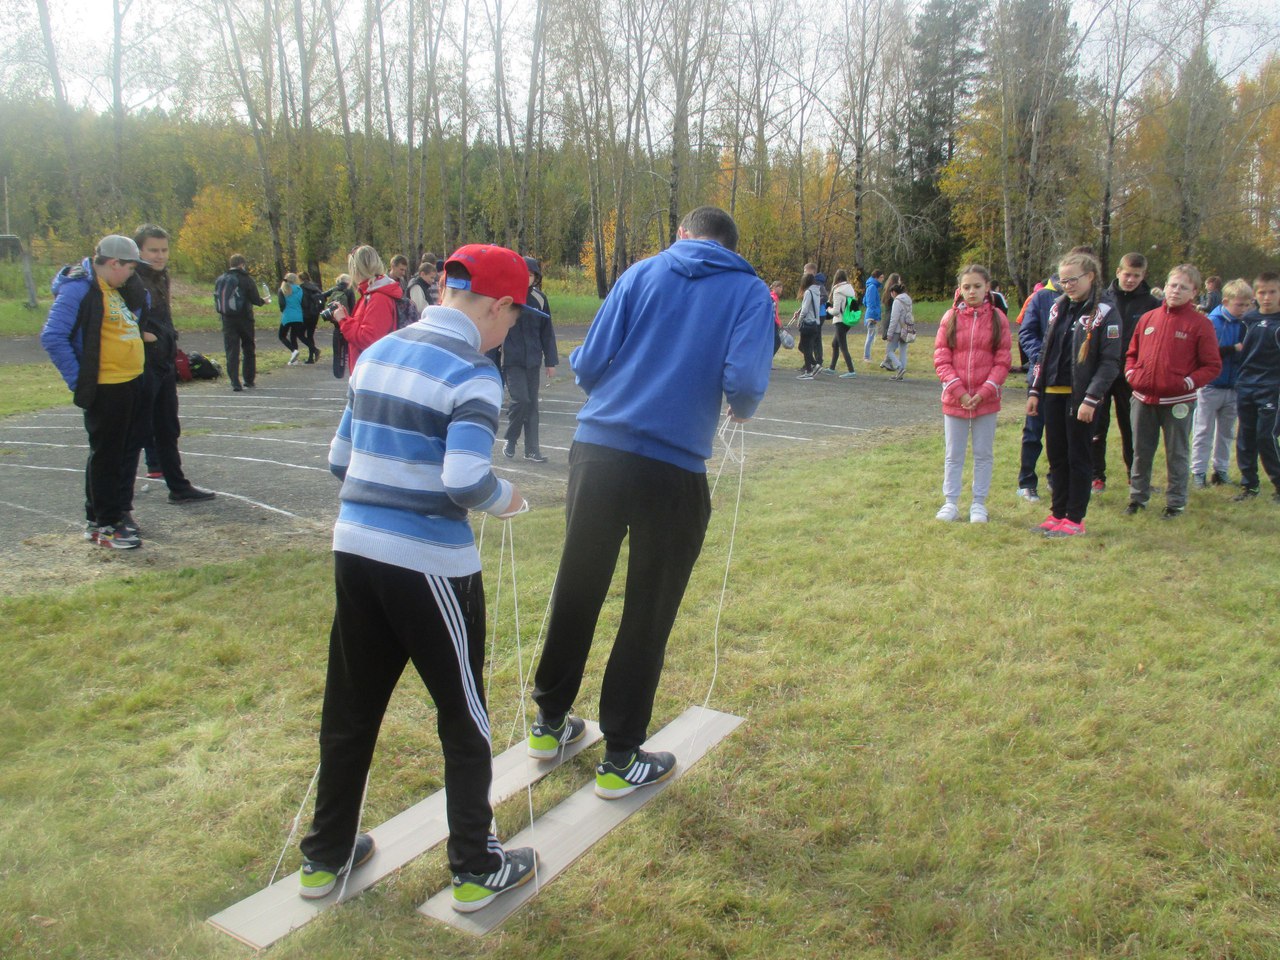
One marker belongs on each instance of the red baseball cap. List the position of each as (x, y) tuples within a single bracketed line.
[(495, 272)]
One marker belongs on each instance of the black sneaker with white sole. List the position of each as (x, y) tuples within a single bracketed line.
[(472, 891), (617, 779)]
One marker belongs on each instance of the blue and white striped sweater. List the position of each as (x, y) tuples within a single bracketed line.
[(413, 447)]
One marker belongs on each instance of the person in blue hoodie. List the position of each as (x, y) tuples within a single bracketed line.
[(874, 309), (1215, 421), (679, 334)]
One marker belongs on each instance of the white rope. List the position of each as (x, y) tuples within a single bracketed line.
[(730, 431), (359, 817), (293, 827)]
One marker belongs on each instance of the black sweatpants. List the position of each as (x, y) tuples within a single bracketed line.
[(384, 617), (109, 423), (238, 339), (157, 428), (1256, 437), (664, 510), (1122, 393), (1067, 442), (523, 384)]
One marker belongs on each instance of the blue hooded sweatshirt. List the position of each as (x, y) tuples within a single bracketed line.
[(1230, 331), (872, 298), (678, 334)]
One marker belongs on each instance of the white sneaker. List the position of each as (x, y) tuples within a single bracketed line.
[(978, 513), (1028, 494), (948, 512), (293, 358)]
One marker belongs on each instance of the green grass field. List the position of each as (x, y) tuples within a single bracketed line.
[(961, 741)]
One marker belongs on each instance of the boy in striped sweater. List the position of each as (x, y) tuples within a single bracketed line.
[(413, 454)]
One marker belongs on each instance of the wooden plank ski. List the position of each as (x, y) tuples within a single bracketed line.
[(265, 917), (565, 833)]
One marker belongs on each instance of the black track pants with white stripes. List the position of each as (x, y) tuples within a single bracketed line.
[(384, 617)]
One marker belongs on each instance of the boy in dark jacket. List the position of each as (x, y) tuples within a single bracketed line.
[(157, 426), (1131, 295), (237, 325), (529, 346), (1258, 389), (1174, 352)]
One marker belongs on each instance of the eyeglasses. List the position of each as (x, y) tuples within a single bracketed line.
[(1068, 281)]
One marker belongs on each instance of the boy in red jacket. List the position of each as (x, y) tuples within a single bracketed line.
[(1173, 353)]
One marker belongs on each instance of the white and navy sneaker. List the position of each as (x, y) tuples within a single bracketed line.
[(471, 891), (615, 780)]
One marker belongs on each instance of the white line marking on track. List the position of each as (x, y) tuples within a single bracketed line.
[(39, 513), (185, 453), (221, 493)]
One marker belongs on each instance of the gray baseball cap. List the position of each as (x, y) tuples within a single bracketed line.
[(117, 247)]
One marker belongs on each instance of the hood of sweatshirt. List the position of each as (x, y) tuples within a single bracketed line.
[(702, 258), (382, 284)]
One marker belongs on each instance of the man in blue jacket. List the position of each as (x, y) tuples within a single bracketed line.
[(92, 336), (679, 333)]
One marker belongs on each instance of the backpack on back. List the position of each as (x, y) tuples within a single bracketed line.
[(852, 312), (228, 296), (312, 302), (406, 313)]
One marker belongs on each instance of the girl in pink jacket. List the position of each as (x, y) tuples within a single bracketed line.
[(971, 355)]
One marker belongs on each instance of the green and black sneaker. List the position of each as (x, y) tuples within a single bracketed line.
[(614, 780), (471, 891), (318, 879), (546, 741)]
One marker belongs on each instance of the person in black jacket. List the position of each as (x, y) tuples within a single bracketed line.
[(312, 304), (237, 325), (157, 426), (529, 346), (1079, 358), (1131, 295)]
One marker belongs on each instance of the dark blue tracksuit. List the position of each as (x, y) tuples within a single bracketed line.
[(1257, 397)]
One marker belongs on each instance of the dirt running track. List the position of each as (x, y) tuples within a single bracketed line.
[(265, 453)]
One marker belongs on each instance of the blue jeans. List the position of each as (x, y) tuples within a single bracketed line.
[(871, 335)]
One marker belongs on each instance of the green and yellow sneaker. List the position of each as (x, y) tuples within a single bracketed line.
[(546, 741), (471, 891), (615, 780), (319, 879)]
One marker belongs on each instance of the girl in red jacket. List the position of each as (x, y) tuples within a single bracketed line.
[(375, 313), (971, 355)]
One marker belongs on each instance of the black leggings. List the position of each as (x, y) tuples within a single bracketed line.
[(292, 333), (811, 346), (839, 346)]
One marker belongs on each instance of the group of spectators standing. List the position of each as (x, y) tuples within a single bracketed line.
[(1171, 373)]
